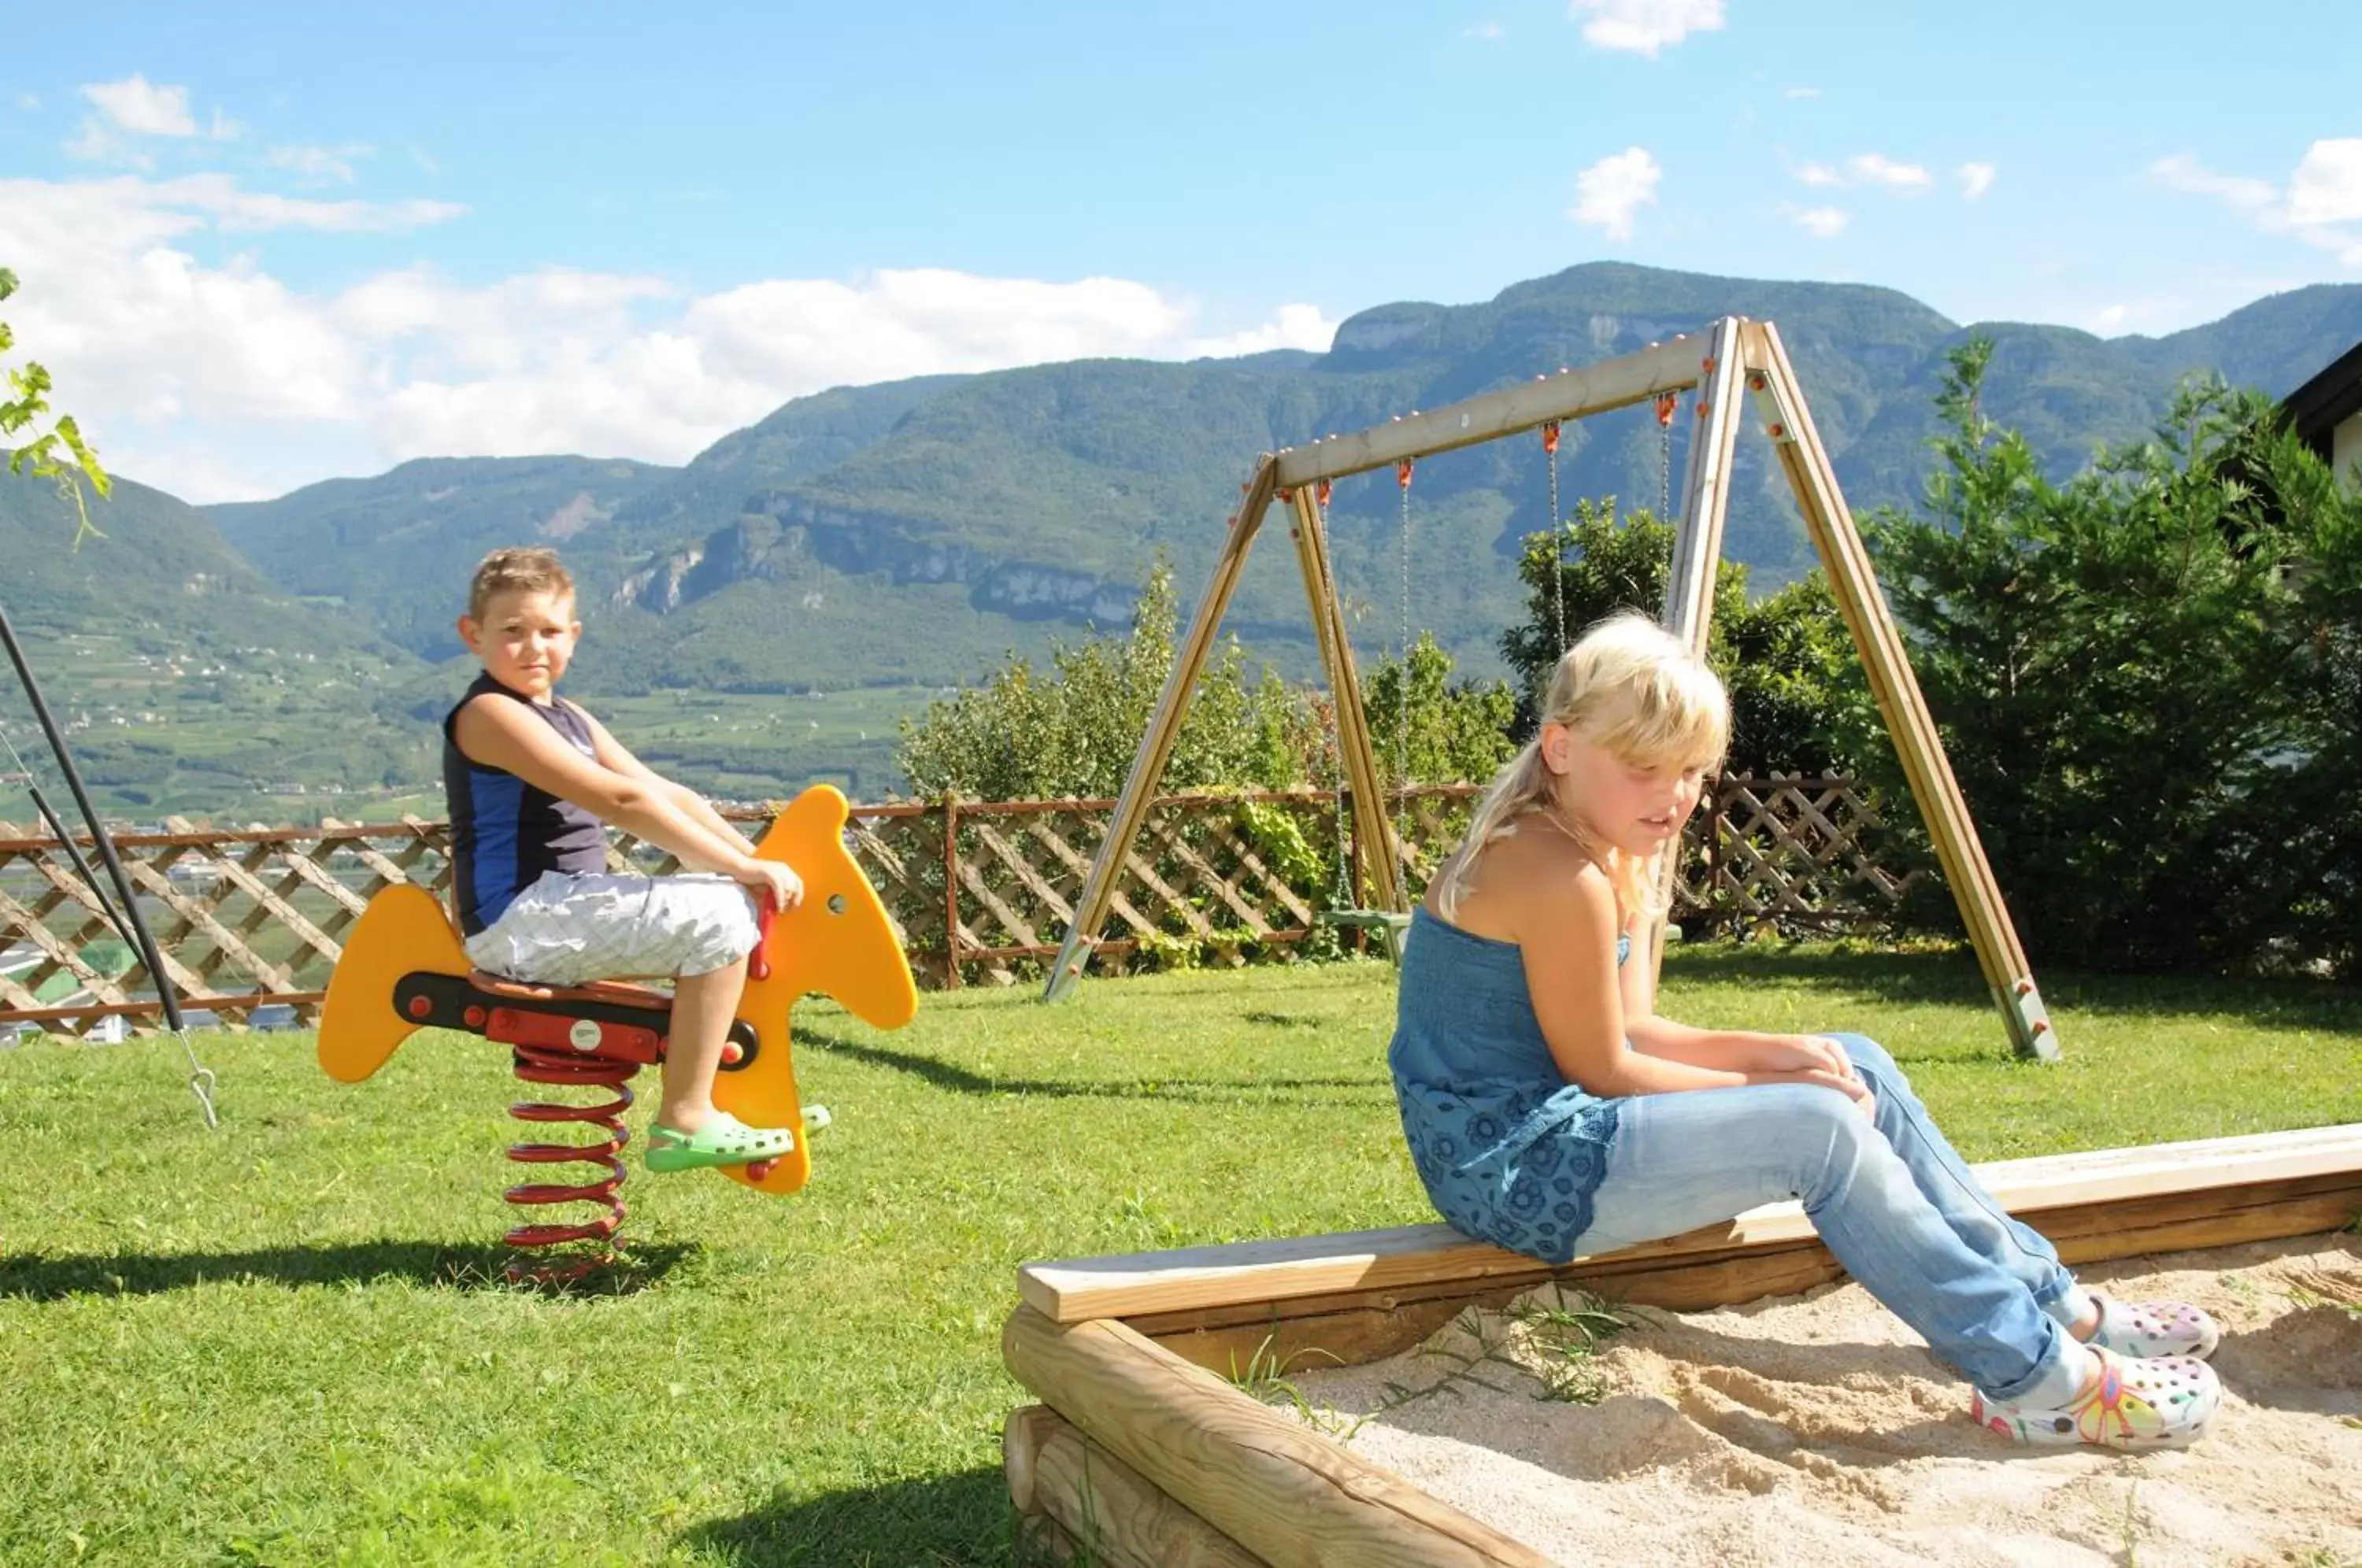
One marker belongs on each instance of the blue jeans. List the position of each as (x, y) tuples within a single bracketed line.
[(1891, 1198)]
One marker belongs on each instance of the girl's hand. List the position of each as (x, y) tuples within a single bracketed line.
[(1800, 1054), (1812, 1059), (1850, 1086)]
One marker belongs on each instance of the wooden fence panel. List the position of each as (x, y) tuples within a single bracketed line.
[(982, 891)]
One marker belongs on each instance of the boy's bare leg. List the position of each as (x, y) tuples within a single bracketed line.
[(702, 1007)]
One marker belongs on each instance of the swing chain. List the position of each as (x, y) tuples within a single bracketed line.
[(1665, 406), (1401, 723), (1558, 541)]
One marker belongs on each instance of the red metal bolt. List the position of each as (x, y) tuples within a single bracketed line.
[(421, 1006), (2042, 1026), (475, 1017), (733, 1052)]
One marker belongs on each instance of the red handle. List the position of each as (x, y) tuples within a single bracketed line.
[(758, 962)]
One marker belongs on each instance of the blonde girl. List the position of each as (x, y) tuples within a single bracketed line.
[(1552, 1110)]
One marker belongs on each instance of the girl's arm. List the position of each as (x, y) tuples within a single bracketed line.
[(1744, 1051), (1566, 930)]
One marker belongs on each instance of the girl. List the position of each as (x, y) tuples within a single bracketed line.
[(1549, 1110)]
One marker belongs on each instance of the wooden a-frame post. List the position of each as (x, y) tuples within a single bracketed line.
[(1735, 354)]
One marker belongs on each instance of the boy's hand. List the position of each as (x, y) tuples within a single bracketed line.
[(771, 882)]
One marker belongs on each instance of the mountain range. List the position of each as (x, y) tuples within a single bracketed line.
[(908, 533)]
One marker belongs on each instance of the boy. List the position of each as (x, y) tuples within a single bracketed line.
[(530, 778)]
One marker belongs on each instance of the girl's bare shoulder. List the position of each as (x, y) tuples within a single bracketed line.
[(1529, 877)]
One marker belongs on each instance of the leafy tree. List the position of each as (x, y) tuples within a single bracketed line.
[(1075, 728), (1796, 694), (57, 453), (1451, 731), (2111, 666)]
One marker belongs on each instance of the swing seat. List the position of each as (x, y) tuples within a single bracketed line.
[(403, 969), (1391, 926)]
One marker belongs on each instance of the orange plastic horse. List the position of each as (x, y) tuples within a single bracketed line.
[(403, 969)]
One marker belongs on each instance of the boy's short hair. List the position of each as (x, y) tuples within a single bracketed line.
[(534, 571)]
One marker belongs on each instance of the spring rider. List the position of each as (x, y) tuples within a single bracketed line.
[(403, 971)]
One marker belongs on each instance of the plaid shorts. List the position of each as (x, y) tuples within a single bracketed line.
[(566, 930)]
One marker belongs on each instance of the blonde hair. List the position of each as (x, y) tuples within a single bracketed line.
[(1637, 691), (531, 571)]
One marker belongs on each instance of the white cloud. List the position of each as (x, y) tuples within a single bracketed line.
[(1644, 26), (320, 164), (1609, 192), (2184, 172), (1491, 32), (1873, 169), (1802, 92), (2327, 186), (1291, 326), (1818, 174), (1975, 180), (28, 101), (1822, 223), (2325, 192), (142, 108), (2109, 321), (219, 382)]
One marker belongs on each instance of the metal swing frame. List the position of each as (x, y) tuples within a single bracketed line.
[(1732, 357)]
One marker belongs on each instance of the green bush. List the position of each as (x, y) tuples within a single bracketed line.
[(2147, 681)]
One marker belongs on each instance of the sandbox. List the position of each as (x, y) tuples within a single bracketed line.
[(1144, 1448)]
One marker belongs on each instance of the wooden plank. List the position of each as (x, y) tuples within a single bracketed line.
[(1424, 1254), (1671, 366), (1350, 1328), (1164, 729), (1119, 1516), (1854, 585), (1697, 551), (199, 916), (1276, 1487), (1066, 856), (1213, 881), (1357, 760)]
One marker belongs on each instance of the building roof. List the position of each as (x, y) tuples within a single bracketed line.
[(2317, 408)]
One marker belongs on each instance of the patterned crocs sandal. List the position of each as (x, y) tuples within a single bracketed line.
[(2154, 1329), (2163, 1403)]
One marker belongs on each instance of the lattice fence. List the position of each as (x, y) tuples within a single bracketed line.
[(250, 921)]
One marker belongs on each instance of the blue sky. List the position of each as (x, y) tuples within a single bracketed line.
[(266, 244)]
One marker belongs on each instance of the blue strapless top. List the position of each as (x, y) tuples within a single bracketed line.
[(1509, 1152)]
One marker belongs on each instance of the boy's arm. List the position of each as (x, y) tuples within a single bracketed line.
[(612, 754), (500, 734)]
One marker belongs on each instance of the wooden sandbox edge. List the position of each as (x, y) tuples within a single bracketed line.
[(1266, 1484), (1143, 1398)]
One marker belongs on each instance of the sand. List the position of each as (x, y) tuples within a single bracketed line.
[(1817, 1429)]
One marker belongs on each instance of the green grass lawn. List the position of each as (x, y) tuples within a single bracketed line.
[(283, 1342)]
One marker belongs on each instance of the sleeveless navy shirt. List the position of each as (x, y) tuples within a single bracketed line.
[(505, 832)]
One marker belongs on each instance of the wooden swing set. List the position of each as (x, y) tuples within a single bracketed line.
[(1733, 356)]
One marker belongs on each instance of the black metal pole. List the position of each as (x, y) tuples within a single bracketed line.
[(129, 902)]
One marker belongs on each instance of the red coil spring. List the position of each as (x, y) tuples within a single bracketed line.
[(537, 1064)]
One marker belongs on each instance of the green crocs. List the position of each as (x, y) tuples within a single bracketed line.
[(723, 1141)]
